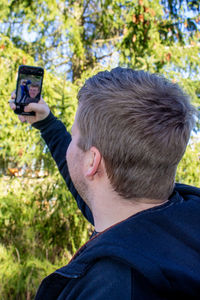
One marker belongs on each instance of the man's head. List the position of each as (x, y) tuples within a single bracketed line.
[(34, 90), (141, 124)]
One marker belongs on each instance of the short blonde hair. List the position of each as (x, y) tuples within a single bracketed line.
[(141, 124)]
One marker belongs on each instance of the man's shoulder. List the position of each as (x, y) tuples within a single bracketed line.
[(110, 279), (110, 266), (188, 191), (106, 278)]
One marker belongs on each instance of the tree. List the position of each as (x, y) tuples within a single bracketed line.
[(74, 36), (160, 37), (40, 226)]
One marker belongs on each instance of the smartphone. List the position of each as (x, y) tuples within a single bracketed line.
[(29, 87)]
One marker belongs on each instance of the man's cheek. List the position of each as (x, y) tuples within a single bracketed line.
[(68, 153), (67, 156)]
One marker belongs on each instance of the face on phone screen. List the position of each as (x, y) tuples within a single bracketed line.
[(29, 88)]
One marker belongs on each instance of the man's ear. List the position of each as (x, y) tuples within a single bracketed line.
[(93, 162)]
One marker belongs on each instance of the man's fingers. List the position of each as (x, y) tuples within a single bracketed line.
[(22, 118), (41, 110), (12, 105), (13, 95), (11, 101), (37, 107), (41, 101)]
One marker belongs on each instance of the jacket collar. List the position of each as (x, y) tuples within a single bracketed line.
[(112, 243), (137, 241)]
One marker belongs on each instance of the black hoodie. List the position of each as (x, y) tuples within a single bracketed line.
[(154, 254)]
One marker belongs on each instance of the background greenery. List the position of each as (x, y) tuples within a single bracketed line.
[(40, 225)]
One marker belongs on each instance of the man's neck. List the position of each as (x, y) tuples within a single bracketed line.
[(109, 210)]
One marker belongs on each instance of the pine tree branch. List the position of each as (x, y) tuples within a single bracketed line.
[(108, 40), (106, 55)]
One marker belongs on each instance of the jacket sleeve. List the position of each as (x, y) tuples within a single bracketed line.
[(58, 139)]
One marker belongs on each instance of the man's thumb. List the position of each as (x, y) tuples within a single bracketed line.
[(35, 107)]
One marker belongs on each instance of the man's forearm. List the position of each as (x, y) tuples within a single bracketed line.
[(58, 139)]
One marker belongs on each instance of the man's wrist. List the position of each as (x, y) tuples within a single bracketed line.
[(43, 124)]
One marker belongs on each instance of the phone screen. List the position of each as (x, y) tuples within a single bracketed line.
[(29, 86)]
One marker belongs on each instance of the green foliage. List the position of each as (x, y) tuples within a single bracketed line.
[(40, 229), (19, 278), (40, 225), (75, 36), (21, 144), (189, 167)]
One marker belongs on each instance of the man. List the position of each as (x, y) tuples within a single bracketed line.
[(130, 131), (29, 92), (34, 90), (24, 92)]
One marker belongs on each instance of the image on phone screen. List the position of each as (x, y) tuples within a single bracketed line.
[(29, 88)]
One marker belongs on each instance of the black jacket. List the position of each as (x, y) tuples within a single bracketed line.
[(154, 254)]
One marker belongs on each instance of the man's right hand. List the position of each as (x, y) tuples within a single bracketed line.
[(41, 110), (23, 82)]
